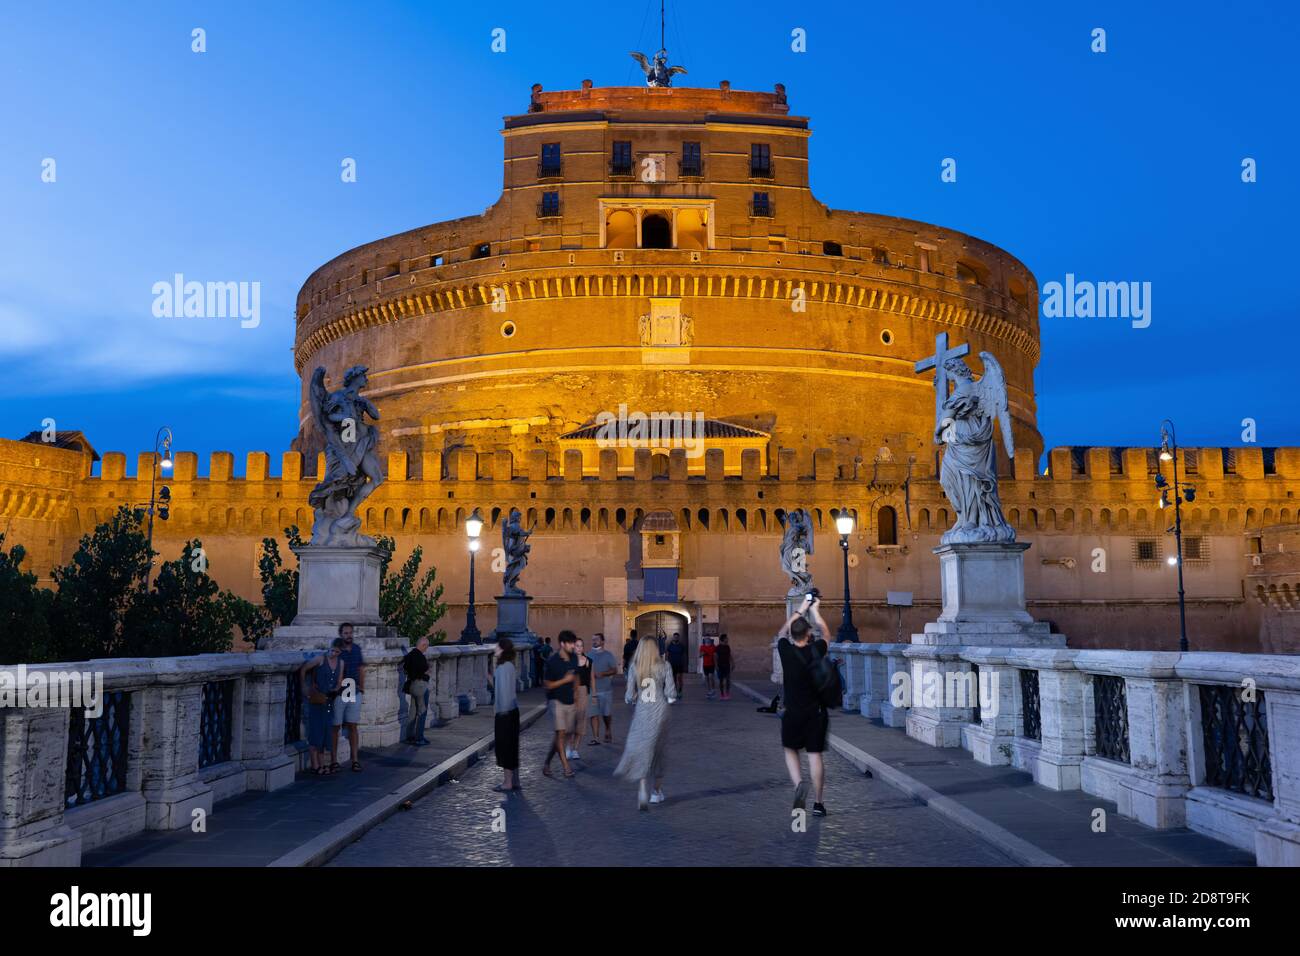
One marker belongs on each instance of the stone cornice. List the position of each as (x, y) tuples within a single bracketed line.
[(639, 281)]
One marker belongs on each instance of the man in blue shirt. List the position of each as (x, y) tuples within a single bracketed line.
[(347, 709)]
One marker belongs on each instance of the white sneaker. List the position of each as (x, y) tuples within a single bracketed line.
[(657, 797)]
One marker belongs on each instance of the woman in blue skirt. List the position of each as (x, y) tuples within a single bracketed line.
[(322, 679)]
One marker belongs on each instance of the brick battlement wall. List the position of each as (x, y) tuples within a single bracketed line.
[(1091, 498)]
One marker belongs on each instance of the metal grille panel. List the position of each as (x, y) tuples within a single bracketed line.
[(97, 751), (1110, 709), (293, 708), (1236, 741), (216, 722), (1033, 724)]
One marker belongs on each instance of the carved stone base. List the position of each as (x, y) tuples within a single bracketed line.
[(983, 590), (338, 585), (512, 618)]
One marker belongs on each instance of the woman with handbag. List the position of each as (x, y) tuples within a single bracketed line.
[(322, 679)]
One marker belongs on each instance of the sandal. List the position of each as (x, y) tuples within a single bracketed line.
[(593, 742), (546, 772), (333, 768), (321, 771), (356, 766)]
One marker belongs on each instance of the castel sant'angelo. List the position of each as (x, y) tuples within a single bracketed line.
[(657, 342)]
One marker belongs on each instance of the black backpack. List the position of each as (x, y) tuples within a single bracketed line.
[(826, 680)]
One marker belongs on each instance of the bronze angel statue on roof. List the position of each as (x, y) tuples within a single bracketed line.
[(352, 470), (657, 72), (969, 473)]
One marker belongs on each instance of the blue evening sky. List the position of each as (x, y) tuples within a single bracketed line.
[(1122, 166)]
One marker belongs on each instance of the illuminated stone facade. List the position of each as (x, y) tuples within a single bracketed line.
[(659, 251)]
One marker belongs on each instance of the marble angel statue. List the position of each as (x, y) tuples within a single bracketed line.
[(969, 473), (796, 545), (352, 470)]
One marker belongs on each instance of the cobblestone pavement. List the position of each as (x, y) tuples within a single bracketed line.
[(729, 803)]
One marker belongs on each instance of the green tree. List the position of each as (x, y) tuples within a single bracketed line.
[(95, 591), (279, 584), (408, 601), (24, 611), (185, 612)]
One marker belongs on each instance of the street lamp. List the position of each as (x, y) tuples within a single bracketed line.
[(1169, 453), (473, 528), (159, 502), (844, 525)]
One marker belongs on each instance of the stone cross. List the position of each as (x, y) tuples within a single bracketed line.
[(941, 354)]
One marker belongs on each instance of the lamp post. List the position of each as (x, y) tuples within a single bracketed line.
[(162, 442), (1169, 452), (847, 632), (473, 528)]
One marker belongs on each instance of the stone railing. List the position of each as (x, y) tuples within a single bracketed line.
[(176, 735), (1209, 741)]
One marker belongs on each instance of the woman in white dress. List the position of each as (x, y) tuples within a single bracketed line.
[(650, 687)]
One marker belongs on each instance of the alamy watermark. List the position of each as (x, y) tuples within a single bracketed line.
[(20, 687), (626, 429), (179, 299), (954, 689), (1084, 299)]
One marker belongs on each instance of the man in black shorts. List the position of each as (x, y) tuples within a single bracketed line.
[(805, 723)]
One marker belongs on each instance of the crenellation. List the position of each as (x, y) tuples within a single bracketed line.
[(823, 464), (572, 465), (608, 464), (1287, 462), (221, 466), (397, 466), (185, 467), (503, 465), (677, 464), (1024, 465), (1136, 463), (257, 466), (291, 466), (715, 462), (787, 468), (538, 465), (1061, 464), (1250, 462)]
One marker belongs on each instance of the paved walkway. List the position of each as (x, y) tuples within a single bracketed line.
[(1056, 823), (728, 804), (258, 828)]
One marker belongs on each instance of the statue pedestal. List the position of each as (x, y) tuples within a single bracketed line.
[(340, 585), (983, 590), (512, 618)]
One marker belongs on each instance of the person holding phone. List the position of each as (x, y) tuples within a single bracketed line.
[(805, 722)]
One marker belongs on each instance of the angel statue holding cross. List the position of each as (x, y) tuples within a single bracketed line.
[(964, 425)]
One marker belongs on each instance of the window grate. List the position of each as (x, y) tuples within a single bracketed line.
[(1110, 707), (293, 708), (977, 714), (1033, 723), (1236, 741), (216, 722), (97, 751)]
